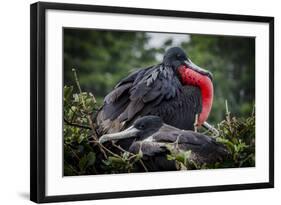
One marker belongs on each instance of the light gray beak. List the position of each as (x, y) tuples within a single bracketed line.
[(128, 133), (198, 69)]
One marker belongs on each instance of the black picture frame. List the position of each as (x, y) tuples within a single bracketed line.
[(38, 101)]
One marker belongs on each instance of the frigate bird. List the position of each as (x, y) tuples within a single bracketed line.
[(176, 90), (152, 138)]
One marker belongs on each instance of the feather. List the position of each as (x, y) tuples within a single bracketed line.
[(116, 93), (151, 91)]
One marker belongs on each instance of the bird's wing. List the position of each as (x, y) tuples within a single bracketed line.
[(133, 93), (148, 148), (171, 134), (205, 148), (116, 101), (154, 86), (124, 85)]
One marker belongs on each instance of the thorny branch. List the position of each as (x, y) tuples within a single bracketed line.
[(93, 128), (76, 125), (94, 135)]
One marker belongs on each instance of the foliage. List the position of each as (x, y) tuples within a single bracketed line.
[(104, 57), (84, 155), (79, 156), (237, 135)]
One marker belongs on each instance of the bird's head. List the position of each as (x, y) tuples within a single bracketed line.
[(141, 129), (191, 74), (176, 58)]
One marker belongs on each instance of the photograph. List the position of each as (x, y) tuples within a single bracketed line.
[(140, 102), (134, 102), (144, 101)]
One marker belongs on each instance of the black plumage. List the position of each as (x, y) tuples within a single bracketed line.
[(156, 90), (152, 138)]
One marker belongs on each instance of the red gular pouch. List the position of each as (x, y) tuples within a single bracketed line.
[(191, 77)]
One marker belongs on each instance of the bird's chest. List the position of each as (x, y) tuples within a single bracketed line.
[(181, 110)]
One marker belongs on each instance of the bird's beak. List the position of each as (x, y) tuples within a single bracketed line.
[(198, 69), (128, 133)]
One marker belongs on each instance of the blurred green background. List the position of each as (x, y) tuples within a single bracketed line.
[(102, 58)]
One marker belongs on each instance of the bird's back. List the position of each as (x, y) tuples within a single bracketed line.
[(167, 139), (205, 149)]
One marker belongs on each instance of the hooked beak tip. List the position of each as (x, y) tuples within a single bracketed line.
[(210, 75)]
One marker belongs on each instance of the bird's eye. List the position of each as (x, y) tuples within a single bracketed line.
[(141, 126)]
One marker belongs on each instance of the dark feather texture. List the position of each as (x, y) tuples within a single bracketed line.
[(154, 90), (154, 140), (204, 148)]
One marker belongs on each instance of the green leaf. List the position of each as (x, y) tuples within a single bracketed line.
[(91, 157), (67, 92), (76, 97), (83, 163)]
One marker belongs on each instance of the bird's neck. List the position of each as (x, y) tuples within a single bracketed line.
[(191, 77)]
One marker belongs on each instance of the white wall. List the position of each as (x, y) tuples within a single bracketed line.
[(14, 92)]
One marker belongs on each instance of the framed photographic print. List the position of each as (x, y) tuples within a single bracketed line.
[(129, 102)]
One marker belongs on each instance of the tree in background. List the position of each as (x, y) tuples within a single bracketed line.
[(103, 57), (232, 62)]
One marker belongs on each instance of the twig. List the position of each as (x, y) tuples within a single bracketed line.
[(146, 170), (176, 143), (141, 162), (75, 155), (226, 108), (228, 115), (76, 125), (254, 111), (84, 105), (210, 128), (195, 123), (118, 147), (76, 172), (92, 126), (103, 147), (94, 136), (132, 155), (76, 80)]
